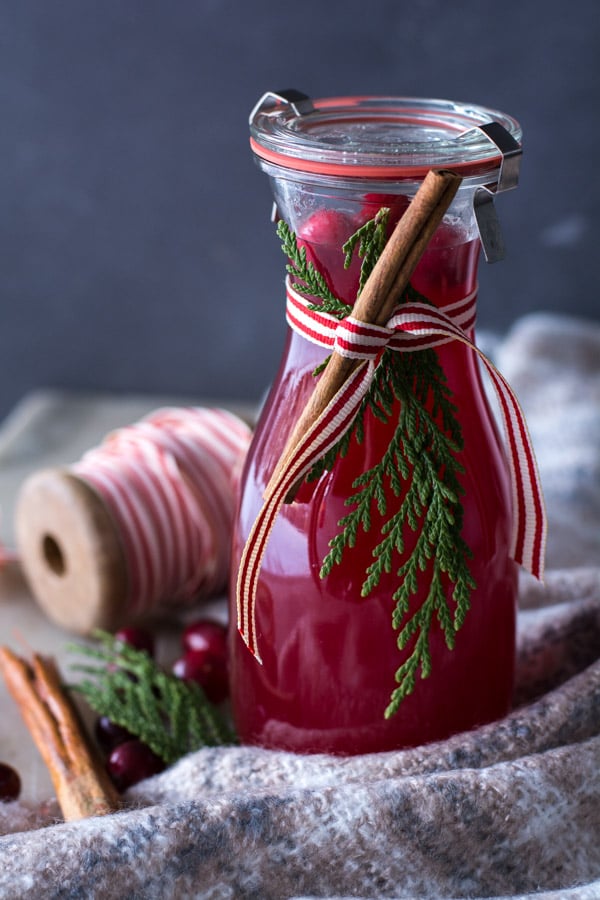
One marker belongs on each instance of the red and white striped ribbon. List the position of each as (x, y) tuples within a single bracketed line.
[(413, 326), (171, 483)]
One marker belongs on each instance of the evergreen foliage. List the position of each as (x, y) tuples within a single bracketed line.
[(420, 466), (172, 716)]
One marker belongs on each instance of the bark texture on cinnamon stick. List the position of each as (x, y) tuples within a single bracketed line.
[(380, 294), (83, 787)]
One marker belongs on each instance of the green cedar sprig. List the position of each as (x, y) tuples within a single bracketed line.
[(172, 716), (368, 242), (410, 469), (421, 467), (308, 279)]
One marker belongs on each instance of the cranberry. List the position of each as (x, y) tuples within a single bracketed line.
[(396, 203), (132, 762), (205, 636), (322, 236), (10, 783), (207, 670), (109, 735), (136, 637), (328, 226)]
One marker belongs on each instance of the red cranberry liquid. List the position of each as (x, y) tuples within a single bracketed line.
[(329, 656)]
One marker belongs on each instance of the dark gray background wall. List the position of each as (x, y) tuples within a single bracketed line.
[(136, 251)]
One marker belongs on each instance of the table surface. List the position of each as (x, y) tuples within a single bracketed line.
[(52, 428)]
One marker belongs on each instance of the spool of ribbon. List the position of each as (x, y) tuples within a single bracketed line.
[(141, 523), (414, 326)]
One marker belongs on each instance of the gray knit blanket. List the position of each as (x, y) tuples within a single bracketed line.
[(508, 810)]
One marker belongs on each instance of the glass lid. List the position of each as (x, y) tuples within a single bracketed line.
[(394, 137)]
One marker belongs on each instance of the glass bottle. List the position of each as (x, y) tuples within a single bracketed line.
[(328, 654)]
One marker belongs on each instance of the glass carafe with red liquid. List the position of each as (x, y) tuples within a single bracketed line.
[(329, 655)]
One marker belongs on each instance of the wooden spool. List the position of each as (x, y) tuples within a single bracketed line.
[(71, 552)]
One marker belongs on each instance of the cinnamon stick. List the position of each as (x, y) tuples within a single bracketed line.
[(380, 294), (83, 788)]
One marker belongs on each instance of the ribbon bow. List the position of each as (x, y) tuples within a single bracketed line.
[(412, 326)]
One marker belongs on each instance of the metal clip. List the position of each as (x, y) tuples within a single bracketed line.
[(483, 200), (488, 225), (511, 151), (300, 103)]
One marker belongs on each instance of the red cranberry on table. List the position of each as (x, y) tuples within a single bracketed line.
[(132, 762), (10, 783), (109, 735), (205, 636), (209, 671), (136, 637)]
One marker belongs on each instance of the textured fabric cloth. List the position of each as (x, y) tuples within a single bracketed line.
[(511, 809)]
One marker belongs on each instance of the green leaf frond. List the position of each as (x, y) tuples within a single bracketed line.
[(172, 716), (306, 277), (368, 243), (420, 467)]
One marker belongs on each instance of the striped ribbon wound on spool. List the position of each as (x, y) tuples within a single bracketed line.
[(171, 481), (412, 326)]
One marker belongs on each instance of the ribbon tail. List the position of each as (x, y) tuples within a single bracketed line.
[(528, 545), (530, 526), (326, 431)]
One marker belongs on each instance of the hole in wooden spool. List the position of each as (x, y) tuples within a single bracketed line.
[(53, 555)]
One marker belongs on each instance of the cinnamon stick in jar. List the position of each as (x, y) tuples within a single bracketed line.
[(380, 294)]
